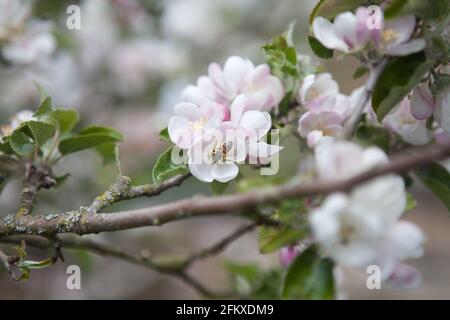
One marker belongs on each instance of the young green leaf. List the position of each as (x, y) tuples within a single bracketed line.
[(437, 178), (411, 203), (45, 107), (399, 77), (164, 135), (281, 55), (165, 168), (66, 118), (41, 131), (441, 84), (318, 49), (21, 143), (90, 137), (426, 9), (309, 277), (361, 71), (273, 238)]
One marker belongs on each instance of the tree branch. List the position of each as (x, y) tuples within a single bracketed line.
[(112, 251), (82, 222)]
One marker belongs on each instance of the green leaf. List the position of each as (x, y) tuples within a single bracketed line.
[(102, 130), (309, 277), (165, 168), (411, 203), (437, 178), (331, 8), (426, 9), (361, 71), (66, 118), (45, 107), (273, 238), (108, 152), (252, 282), (90, 137), (219, 187), (164, 135), (21, 143), (61, 179), (5, 146), (399, 77), (41, 131), (281, 55), (318, 49), (441, 84)]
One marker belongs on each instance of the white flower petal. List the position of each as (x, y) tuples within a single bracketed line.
[(224, 172)]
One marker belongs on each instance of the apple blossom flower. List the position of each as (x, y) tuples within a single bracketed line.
[(362, 227), (348, 32), (318, 90), (216, 154), (422, 102), (402, 122), (394, 38), (31, 45), (315, 125), (442, 112), (263, 91), (190, 121), (343, 160)]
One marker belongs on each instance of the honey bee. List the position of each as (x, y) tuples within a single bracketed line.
[(220, 151)]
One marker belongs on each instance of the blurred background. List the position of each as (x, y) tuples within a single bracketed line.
[(126, 68)]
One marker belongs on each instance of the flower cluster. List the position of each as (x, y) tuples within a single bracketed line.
[(362, 228), (327, 108), (351, 33), (224, 117)]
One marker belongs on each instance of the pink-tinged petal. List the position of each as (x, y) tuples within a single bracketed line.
[(179, 132), (325, 85), (403, 27), (235, 71), (313, 138), (345, 25), (307, 82), (308, 122), (362, 32), (224, 172), (330, 118), (277, 90), (255, 120), (404, 49), (237, 108), (260, 73), (324, 32), (441, 136), (287, 255), (259, 100), (404, 276), (201, 171), (192, 94), (422, 102), (187, 110)]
